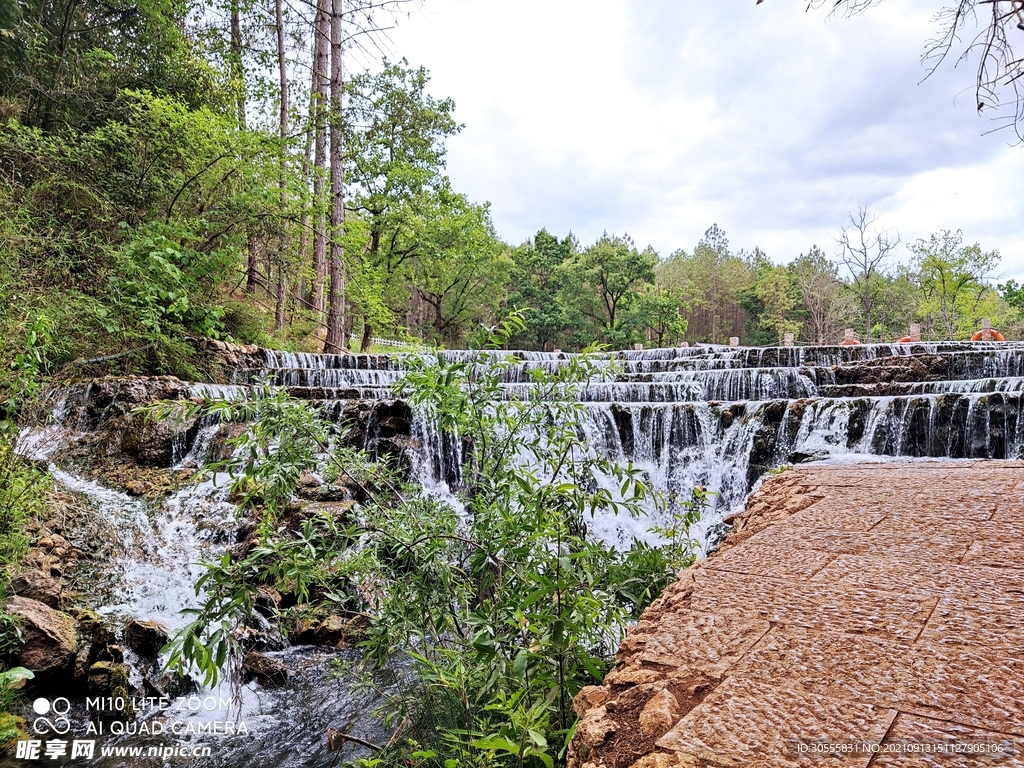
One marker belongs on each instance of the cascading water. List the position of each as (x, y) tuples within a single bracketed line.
[(719, 416), (711, 416)]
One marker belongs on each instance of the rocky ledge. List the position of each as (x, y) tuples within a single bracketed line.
[(871, 613)]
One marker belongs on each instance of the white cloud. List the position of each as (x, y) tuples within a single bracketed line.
[(661, 118)]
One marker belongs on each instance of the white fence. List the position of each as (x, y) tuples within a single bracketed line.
[(404, 345)]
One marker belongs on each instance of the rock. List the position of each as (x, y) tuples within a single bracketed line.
[(149, 442), (36, 585), (595, 728), (267, 600), (12, 726), (51, 641), (337, 631), (659, 714), (135, 488), (92, 626), (265, 670), (172, 684), (146, 638), (331, 631), (328, 493), (84, 659), (106, 677), (590, 696), (802, 457), (663, 760)]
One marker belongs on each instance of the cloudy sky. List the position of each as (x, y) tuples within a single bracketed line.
[(661, 117)]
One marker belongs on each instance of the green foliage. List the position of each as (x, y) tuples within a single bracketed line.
[(11, 636), (21, 380), (11, 682), (1013, 294), (773, 302), (515, 608), (536, 282), (23, 489), (462, 267), (160, 280), (506, 607), (657, 314), (710, 284), (827, 304), (601, 283), (952, 278), (69, 58)]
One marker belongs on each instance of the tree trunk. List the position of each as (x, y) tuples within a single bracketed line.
[(282, 276), (238, 76), (237, 71), (252, 264), (336, 289), (307, 157), (318, 104)]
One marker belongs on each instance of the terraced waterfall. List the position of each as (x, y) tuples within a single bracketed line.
[(712, 416)]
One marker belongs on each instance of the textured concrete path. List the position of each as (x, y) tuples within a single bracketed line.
[(862, 615)]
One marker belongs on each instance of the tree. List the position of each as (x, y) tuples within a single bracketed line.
[(865, 250), (461, 265), (778, 297), (999, 78), (825, 298), (657, 313), (535, 284), (952, 277), (601, 278), (394, 136), (336, 269), (1013, 294), (709, 285)]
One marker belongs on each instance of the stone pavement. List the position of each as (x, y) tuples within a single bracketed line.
[(858, 615)]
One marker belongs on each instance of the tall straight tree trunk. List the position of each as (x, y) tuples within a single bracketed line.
[(307, 158), (238, 76), (282, 277), (336, 290), (252, 266), (237, 71), (318, 103)]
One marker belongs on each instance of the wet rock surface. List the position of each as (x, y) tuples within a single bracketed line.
[(859, 614), (51, 640), (146, 638), (266, 670)]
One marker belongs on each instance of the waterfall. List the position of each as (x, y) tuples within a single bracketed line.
[(712, 416), (706, 415)]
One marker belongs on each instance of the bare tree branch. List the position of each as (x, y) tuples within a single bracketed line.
[(999, 78)]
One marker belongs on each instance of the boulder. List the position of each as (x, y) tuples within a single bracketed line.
[(659, 714), (106, 678), (51, 641), (37, 585), (337, 631), (146, 638), (149, 442), (265, 670)]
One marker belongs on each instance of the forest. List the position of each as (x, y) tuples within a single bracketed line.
[(175, 170)]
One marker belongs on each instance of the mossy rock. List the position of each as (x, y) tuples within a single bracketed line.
[(12, 729)]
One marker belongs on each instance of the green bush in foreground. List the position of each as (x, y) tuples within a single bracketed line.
[(506, 609)]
